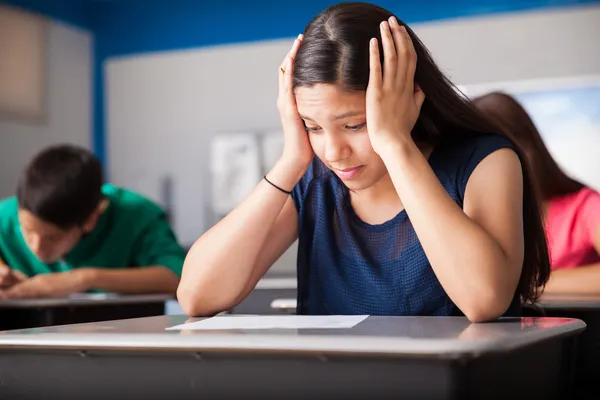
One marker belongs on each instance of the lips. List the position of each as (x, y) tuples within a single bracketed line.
[(348, 173)]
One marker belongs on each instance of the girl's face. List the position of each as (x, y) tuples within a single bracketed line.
[(336, 124)]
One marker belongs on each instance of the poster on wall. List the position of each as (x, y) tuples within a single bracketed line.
[(235, 170), (272, 147), (567, 115)]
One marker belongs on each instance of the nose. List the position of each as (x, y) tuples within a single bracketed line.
[(336, 148), (36, 245)]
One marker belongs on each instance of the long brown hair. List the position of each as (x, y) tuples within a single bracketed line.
[(549, 179), (335, 50)]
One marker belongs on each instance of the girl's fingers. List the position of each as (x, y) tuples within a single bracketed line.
[(288, 75), (375, 77), (284, 67), (389, 54), (401, 51)]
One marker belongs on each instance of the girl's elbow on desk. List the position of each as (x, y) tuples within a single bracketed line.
[(198, 298), (486, 294), (195, 304), (486, 305), (484, 311), (204, 291)]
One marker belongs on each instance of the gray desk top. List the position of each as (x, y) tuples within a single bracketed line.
[(448, 337), (277, 283), (570, 301), (85, 299)]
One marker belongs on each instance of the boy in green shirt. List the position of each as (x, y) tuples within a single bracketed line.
[(66, 232)]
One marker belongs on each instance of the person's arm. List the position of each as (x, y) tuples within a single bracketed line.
[(59, 284), (584, 279), (8, 276), (156, 266), (226, 262), (476, 253), (140, 280), (581, 280)]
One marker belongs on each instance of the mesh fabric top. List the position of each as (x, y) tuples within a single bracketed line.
[(346, 266)]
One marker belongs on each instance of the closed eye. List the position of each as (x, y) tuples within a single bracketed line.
[(313, 129), (356, 128)]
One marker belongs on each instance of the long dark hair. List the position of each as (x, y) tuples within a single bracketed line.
[(335, 50), (550, 180)]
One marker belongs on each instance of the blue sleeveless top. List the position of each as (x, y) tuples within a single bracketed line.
[(346, 266)]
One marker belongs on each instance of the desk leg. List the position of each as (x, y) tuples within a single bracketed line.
[(47, 317), (586, 356)]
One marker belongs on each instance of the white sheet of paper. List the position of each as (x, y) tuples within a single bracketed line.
[(274, 322)]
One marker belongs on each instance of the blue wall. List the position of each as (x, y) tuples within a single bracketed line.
[(138, 26), (74, 12), (124, 27)]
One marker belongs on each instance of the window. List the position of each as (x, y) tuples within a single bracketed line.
[(22, 65)]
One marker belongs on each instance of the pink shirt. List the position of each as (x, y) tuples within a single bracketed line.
[(572, 224)]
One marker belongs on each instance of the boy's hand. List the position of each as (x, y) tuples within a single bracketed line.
[(9, 277), (59, 284)]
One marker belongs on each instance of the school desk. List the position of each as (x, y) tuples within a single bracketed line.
[(30, 313), (284, 305), (268, 290), (587, 309), (381, 357), (265, 299)]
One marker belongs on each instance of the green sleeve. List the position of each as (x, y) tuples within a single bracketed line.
[(13, 250), (157, 245)]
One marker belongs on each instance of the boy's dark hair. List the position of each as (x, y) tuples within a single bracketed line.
[(62, 185)]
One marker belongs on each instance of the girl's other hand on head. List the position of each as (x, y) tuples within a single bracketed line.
[(297, 150)]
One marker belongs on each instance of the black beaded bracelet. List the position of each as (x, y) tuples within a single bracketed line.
[(275, 186)]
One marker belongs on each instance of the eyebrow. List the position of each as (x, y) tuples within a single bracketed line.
[(338, 117)]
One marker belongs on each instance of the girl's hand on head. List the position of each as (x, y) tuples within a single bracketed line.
[(297, 150), (393, 100)]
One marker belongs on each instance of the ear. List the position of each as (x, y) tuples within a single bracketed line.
[(419, 96), (92, 220)]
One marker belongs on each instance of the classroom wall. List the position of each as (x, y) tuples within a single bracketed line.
[(518, 46), (68, 105), (160, 94), (163, 109), (173, 102)]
